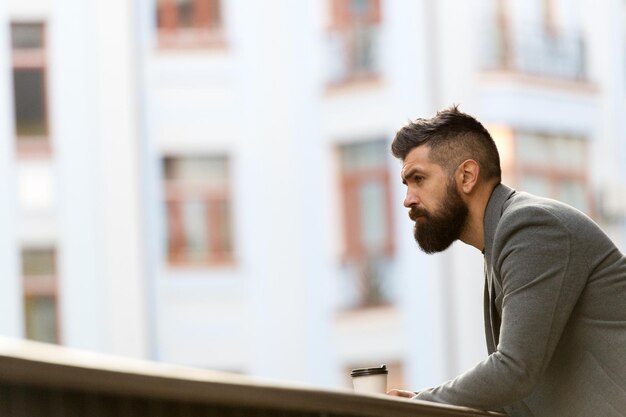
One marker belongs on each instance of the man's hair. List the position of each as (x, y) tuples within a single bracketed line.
[(453, 137)]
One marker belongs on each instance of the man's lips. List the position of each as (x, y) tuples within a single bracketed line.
[(415, 214)]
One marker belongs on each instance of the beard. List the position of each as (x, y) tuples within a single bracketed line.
[(435, 232)]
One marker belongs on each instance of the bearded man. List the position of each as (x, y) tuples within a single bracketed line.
[(555, 284)]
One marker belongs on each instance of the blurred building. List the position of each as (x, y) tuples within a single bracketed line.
[(208, 182)]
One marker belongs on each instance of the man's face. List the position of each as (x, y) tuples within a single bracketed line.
[(433, 200)]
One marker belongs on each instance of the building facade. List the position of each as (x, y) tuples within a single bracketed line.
[(208, 182)]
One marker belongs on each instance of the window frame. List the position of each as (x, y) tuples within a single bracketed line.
[(354, 253), (44, 285), (172, 36), (354, 247), (344, 25), (177, 192), (32, 59), (553, 174)]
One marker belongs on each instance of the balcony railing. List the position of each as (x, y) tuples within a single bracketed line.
[(365, 282), (531, 49), (38, 380)]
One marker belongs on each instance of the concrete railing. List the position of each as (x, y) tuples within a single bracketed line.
[(39, 380)]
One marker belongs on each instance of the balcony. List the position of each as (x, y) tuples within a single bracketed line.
[(46, 380), (365, 282), (531, 49)]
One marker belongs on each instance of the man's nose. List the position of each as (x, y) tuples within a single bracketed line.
[(410, 199)]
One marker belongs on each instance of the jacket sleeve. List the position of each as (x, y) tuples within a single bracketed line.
[(541, 281)]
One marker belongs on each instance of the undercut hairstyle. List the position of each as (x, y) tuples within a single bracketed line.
[(453, 137)]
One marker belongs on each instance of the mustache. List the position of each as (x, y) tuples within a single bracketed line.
[(414, 213)]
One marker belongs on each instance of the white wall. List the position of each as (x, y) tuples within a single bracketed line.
[(11, 290), (190, 98), (117, 142), (73, 115), (263, 101), (93, 113)]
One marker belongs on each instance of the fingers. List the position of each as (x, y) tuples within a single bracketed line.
[(401, 393)]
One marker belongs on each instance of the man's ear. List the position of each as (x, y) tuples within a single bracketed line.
[(467, 175)]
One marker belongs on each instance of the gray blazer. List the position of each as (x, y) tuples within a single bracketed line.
[(555, 315)]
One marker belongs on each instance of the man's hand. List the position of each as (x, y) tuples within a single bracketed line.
[(401, 393)]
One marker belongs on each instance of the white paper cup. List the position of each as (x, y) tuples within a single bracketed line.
[(370, 380)]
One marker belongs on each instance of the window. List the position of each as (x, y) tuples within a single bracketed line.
[(554, 166), (189, 23), (353, 40), (29, 88), (526, 37), (41, 315), (548, 165), (368, 242), (198, 208)]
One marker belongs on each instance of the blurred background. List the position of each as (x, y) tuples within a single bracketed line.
[(208, 182)]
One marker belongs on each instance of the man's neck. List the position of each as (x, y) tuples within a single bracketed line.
[(474, 231)]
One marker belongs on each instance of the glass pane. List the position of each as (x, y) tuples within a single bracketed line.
[(573, 193), (533, 149), (216, 12), (554, 151), (196, 229), (568, 153), (224, 224), (360, 7), (365, 49), (26, 36), (38, 262), (28, 88), (372, 209), (210, 171), (365, 155), (185, 11), (41, 319), (536, 185), (158, 14)]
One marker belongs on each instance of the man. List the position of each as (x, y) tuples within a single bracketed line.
[(555, 290)]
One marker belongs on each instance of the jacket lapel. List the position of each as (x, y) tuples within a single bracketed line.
[(493, 212), (492, 317), (489, 336)]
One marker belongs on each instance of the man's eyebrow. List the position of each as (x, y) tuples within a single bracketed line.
[(409, 174)]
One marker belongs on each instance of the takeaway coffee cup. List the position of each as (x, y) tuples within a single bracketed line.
[(372, 380)]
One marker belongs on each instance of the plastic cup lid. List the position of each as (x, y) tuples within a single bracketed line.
[(382, 369)]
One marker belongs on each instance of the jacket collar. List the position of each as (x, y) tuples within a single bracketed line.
[(501, 193)]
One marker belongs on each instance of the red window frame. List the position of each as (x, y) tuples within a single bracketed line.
[(342, 19), (344, 24), (219, 227), (206, 30), (363, 262), (355, 248)]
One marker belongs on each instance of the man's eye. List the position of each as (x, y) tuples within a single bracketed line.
[(418, 178)]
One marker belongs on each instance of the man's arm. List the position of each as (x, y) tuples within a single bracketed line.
[(541, 282)]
